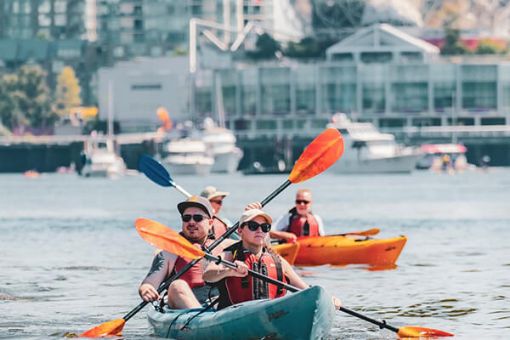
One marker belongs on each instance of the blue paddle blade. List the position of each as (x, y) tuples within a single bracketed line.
[(155, 171)]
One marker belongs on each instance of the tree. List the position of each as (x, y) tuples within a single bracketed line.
[(452, 44), (67, 94), (266, 48), (309, 47), (25, 99)]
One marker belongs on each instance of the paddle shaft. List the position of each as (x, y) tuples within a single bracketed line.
[(381, 324), (229, 232)]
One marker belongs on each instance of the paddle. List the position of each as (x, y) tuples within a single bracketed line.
[(158, 174), (165, 238), (368, 232), (319, 155)]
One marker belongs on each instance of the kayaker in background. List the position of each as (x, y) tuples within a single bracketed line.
[(235, 285), (299, 221), (190, 290), (215, 197)]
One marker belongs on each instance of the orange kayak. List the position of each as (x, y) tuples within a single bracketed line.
[(288, 251), (341, 250)]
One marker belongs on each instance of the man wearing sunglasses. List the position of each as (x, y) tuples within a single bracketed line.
[(299, 221), (220, 224), (190, 290), (251, 253)]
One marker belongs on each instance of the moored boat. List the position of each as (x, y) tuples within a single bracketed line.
[(307, 314), (343, 250)]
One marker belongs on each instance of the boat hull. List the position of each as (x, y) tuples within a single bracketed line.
[(307, 314), (227, 162), (396, 164), (341, 250)]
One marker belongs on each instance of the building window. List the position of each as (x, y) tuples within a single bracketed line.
[(203, 101), (275, 99), (410, 97), (305, 100), (343, 57), (146, 87), (444, 96), (374, 99), (391, 122), (249, 99), (339, 97), (376, 57), (266, 125), (493, 121), (479, 96)]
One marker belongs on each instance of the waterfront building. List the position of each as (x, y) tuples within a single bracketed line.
[(379, 74)]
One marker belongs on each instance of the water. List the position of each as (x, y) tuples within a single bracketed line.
[(71, 258)]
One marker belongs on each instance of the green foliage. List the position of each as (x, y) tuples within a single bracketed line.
[(452, 45), (489, 47), (266, 48), (67, 94), (308, 47), (25, 99)]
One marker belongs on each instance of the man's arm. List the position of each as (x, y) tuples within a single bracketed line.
[(161, 267), (280, 230)]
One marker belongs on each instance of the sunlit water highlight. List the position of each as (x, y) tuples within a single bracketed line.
[(71, 258)]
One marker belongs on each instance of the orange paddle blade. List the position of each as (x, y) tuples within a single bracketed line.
[(319, 155), (167, 239), (110, 328), (417, 332)]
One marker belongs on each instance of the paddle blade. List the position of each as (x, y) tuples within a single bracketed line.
[(155, 171), (417, 332), (167, 239), (319, 155), (110, 328)]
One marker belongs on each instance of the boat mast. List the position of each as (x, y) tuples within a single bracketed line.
[(110, 110)]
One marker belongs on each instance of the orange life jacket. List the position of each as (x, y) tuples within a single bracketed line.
[(193, 276), (303, 227), (239, 289), (218, 228)]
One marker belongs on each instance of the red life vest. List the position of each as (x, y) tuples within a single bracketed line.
[(193, 276), (218, 228), (239, 289), (303, 226)]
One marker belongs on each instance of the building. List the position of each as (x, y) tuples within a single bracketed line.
[(132, 91), (130, 28), (379, 74), (46, 19)]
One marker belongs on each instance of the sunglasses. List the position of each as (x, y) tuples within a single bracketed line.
[(219, 202), (302, 202), (253, 226), (196, 218)]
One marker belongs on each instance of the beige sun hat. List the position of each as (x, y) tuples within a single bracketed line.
[(249, 215), (211, 192), (196, 201)]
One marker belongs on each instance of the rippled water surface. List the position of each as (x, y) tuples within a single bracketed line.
[(71, 258)]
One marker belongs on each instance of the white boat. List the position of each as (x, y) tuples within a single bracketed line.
[(222, 144), (187, 156), (100, 160), (443, 157), (369, 151)]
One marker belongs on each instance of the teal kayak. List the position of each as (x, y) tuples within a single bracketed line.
[(307, 314)]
